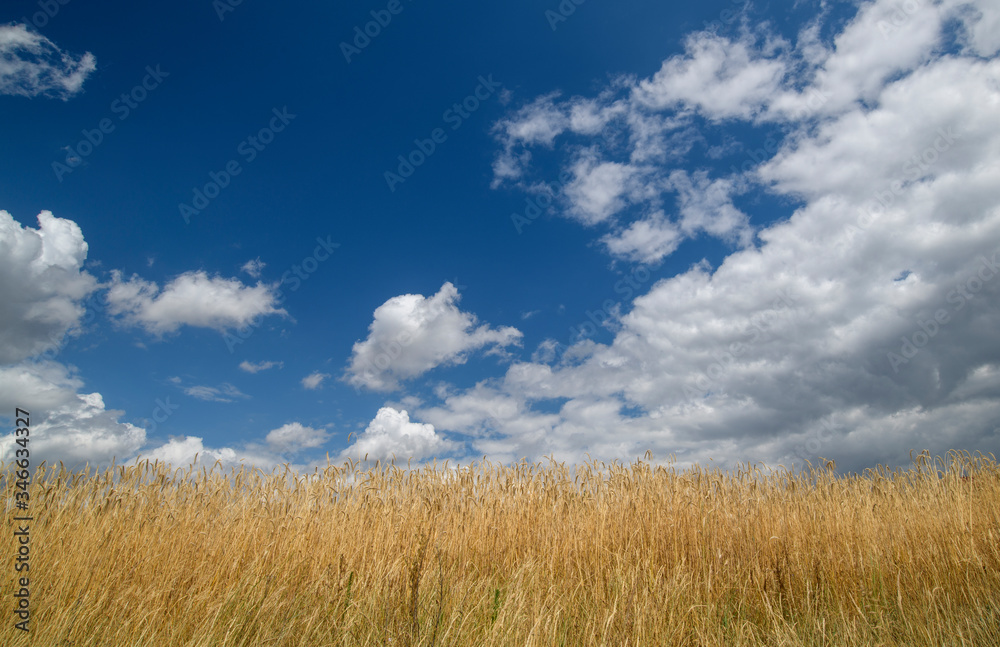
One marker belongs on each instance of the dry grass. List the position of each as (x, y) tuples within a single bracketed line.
[(523, 555)]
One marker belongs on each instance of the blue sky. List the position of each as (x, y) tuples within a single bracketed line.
[(735, 231)]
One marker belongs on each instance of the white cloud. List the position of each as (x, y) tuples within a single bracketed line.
[(707, 205), (192, 299), (755, 77), (645, 241), (881, 41), (32, 65), (289, 440), (540, 122), (42, 288), (392, 434), (225, 392), (183, 452), (253, 267), (982, 23), (66, 425), (862, 326), (536, 123), (412, 334), (294, 437), (42, 285), (251, 367), (475, 411), (314, 380), (719, 77), (598, 189)]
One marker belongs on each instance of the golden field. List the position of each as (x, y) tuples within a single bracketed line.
[(529, 554)]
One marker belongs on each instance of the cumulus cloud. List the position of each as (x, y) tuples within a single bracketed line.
[(185, 451), (982, 28), (294, 437), (862, 326), (66, 425), (647, 240), (392, 433), (540, 122), (251, 367), (31, 65), (707, 205), (42, 289), (599, 189), (314, 380), (719, 77), (412, 334), (289, 441), (625, 146), (192, 299), (883, 40), (536, 123), (636, 130), (42, 284)]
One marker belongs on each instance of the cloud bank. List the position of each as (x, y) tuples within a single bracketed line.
[(864, 324)]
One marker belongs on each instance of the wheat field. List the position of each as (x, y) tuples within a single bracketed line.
[(527, 554)]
